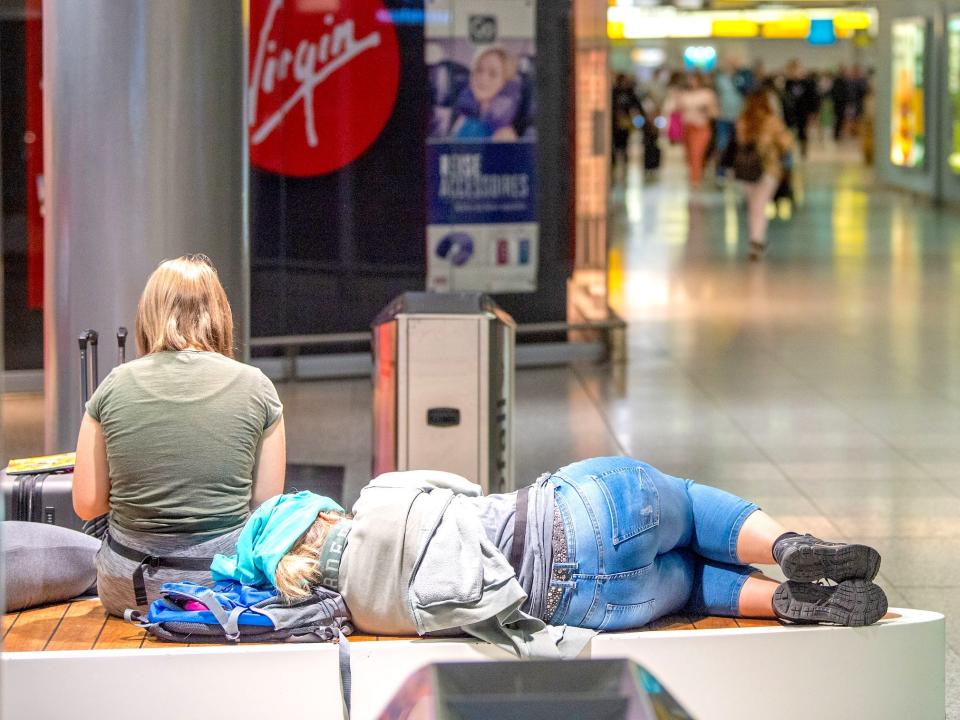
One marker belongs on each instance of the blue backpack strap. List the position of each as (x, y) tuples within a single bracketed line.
[(209, 599), (228, 621)]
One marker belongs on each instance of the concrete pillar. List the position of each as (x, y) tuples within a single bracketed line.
[(145, 159)]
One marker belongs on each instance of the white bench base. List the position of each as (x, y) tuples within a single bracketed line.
[(894, 669)]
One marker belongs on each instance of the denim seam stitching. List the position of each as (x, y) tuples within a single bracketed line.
[(597, 592), (593, 523), (735, 531), (598, 539), (619, 469), (645, 570), (734, 605), (652, 602)]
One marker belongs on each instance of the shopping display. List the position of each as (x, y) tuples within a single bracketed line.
[(908, 114), (953, 89)]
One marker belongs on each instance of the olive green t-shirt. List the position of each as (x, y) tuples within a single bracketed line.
[(182, 431)]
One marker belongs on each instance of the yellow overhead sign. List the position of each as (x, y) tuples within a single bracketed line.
[(666, 21), (850, 21), (735, 28), (793, 28)]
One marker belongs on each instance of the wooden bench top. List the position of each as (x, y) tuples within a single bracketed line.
[(84, 625)]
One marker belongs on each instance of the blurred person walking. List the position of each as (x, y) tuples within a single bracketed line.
[(858, 89), (801, 102), (698, 108), (650, 134), (840, 95), (763, 141), (671, 108), (867, 125), (626, 105), (731, 105)]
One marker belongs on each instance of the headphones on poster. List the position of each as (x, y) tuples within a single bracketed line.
[(456, 247)]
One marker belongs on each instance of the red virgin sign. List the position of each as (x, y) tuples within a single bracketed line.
[(323, 81)]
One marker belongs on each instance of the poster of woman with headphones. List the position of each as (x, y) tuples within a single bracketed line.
[(482, 231)]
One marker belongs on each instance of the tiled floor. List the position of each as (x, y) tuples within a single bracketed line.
[(823, 383)]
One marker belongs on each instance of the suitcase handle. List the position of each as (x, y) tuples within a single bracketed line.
[(121, 345), (89, 366), (84, 380), (93, 337)]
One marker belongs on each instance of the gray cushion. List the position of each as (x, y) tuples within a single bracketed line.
[(45, 563)]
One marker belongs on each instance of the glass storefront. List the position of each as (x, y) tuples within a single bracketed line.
[(953, 89), (908, 114)]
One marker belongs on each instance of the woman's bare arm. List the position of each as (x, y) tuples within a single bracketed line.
[(91, 475), (270, 466)]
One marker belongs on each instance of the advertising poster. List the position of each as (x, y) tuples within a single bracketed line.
[(908, 121), (482, 231), (953, 83), (336, 123)]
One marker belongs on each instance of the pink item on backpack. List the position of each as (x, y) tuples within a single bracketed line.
[(194, 605)]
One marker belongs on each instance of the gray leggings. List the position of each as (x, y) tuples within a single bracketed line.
[(115, 572)]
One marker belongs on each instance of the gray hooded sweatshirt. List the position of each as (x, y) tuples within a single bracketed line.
[(418, 561)]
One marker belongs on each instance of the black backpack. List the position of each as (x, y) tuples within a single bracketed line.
[(747, 163)]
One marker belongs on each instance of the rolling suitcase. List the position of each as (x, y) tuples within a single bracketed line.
[(41, 489), (41, 497)]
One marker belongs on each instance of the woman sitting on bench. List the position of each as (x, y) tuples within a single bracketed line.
[(602, 544), (179, 444)]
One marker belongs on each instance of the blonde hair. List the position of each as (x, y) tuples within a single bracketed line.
[(507, 60), (183, 307), (299, 570)]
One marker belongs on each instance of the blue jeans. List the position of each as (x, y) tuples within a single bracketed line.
[(642, 544), (725, 130)]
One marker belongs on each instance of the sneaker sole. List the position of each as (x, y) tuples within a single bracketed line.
[(854, 603), (808, 563)]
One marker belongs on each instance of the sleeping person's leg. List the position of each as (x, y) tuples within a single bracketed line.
[(728, 533), (643, 544), (722, 532), (756, 596), (741, 591)]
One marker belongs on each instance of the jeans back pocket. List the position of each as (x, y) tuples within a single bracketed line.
[(627, 617), (633, 500)]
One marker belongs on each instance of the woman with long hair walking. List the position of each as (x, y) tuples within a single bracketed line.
[(762, 141)]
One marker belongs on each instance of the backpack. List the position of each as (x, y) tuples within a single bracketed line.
[(234, 613), (747, 163)]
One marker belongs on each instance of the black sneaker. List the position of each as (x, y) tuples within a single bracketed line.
[(852, 603), (808, 559)]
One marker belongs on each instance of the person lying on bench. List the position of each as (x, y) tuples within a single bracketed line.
[(600, 545), (178, 444)]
